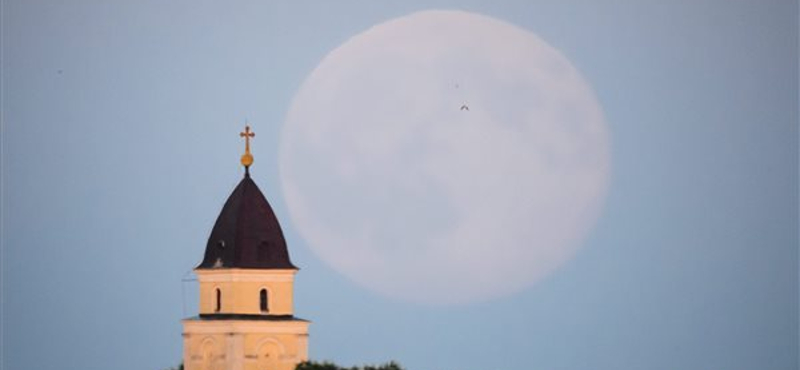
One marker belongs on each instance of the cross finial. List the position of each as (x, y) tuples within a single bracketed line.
[(247, 158)]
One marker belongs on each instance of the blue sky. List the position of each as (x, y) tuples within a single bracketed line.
[(119, 146)]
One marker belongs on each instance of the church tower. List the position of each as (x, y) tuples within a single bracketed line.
[(246, 279)]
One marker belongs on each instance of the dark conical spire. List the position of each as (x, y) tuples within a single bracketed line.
[(247, 233)]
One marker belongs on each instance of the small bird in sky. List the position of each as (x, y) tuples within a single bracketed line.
[(464, 107)]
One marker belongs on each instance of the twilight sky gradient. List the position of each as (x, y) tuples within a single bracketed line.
[(119, 146)]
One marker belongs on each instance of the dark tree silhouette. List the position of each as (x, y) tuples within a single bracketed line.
[(326, 365), (179, 367)]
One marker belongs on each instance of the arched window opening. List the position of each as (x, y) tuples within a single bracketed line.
[(219, 301), (264, 305)]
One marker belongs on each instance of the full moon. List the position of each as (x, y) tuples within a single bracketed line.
[(445, 157)]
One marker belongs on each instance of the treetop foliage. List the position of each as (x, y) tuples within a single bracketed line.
[(326, 365)]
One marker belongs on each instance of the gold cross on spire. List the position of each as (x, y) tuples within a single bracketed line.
[(247, 158)]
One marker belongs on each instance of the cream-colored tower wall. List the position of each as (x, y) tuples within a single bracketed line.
[(240, 290), (244, 344)]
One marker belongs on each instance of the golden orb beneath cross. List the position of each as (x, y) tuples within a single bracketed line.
[(247, 159)]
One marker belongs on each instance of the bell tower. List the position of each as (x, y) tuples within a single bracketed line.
[(246, 319)]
